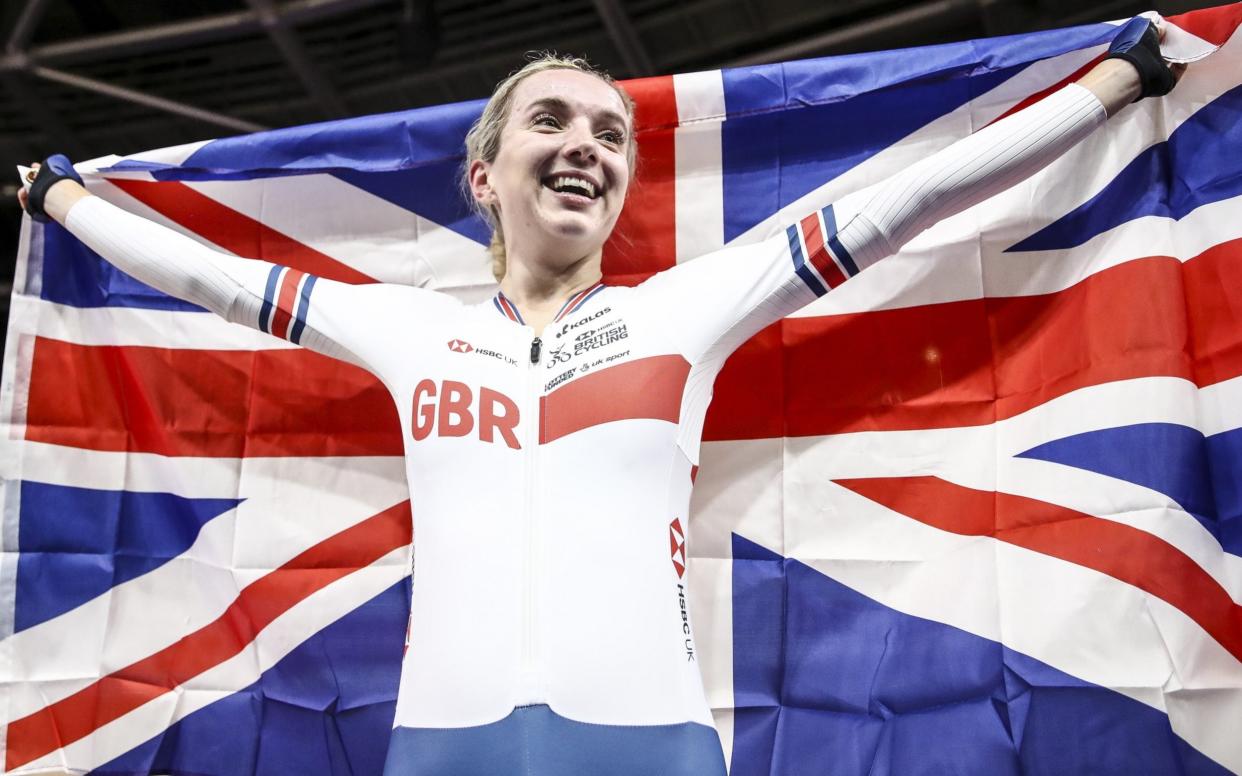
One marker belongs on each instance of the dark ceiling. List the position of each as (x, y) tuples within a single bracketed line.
[(95, 77)]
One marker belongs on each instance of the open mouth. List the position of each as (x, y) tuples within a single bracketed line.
[(572, 184)]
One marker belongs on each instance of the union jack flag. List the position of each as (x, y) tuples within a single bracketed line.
[(978, 510)]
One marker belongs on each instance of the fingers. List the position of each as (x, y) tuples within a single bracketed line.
[(22, 198)]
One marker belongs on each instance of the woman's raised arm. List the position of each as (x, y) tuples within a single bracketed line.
[(753, 285), (278, 300)]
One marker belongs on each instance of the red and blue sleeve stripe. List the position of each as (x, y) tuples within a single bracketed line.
[(819, 257), (286, 302)]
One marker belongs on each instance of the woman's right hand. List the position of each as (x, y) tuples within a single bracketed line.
[(58, 197), (23, 194)]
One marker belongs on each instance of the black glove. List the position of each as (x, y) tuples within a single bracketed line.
[(1139, 44), (54, 169)]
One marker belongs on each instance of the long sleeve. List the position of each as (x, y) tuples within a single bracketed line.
[(880, 219), (281, 301)]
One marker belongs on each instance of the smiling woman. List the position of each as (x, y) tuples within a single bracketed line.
[(528, 117), (550, 633)]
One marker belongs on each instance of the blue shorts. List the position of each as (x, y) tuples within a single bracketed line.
[(535, 741)]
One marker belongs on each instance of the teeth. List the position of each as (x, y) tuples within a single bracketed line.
[(562, 182)]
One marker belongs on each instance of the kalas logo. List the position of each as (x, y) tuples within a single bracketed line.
[(677, 543), (568, 327), (460, 346)]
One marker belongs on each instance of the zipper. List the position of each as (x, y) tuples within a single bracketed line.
[(531, 689)]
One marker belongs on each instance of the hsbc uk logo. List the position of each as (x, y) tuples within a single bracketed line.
[(461, 346), (677, 547), (677, 544)]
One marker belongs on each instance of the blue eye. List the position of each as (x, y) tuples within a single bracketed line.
[(612, 136)]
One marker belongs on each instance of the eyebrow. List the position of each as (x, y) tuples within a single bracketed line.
[(556, 103)]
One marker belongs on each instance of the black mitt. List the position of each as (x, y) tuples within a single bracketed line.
[(1138, 43), (54, 169)]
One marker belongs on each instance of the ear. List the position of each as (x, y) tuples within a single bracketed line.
[(480, 183)]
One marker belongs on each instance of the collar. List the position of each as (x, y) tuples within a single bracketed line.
[(509, 310)]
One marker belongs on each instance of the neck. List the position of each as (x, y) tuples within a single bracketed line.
[(538, 288)]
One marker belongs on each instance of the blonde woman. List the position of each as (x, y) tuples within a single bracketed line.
[(551, 433)]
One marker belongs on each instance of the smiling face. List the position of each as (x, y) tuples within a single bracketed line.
[(559, 178)]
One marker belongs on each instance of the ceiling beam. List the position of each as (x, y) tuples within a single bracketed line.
[(178, 34), (298, 59), (50, 129), (938, 14), (24, 27), (55, 131), (625, 38), (142, 98)]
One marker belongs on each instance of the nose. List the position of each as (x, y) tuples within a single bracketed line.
[(580, 145)]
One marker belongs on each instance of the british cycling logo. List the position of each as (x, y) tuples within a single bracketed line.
[(598, 338), (558, 355), (459, 346)]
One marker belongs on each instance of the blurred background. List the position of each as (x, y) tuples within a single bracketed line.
[(95, 77)]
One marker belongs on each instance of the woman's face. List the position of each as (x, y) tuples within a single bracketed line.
[(560, 176)]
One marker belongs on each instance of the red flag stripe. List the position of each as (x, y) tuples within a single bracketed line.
[(255, 607), (226, 403), (974, 362), (935, 366), (234, 231), (645, 239), (1215, 25), (643, 388), (1042, 93), (1118, 550)]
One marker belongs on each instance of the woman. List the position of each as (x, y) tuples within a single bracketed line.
[(552, 432)]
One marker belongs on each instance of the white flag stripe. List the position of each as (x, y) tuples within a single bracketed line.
[(172, 155), (382, 478), (273, 643), (1046, 272), (281, 518), (699, 181), (121, 326), (710, 596), (1220, 407)]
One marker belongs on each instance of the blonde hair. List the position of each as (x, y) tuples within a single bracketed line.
[(483, 139)]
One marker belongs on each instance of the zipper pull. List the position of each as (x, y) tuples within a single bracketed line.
[(535, 346)]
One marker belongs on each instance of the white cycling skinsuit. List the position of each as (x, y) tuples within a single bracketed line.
[(550, 472)]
